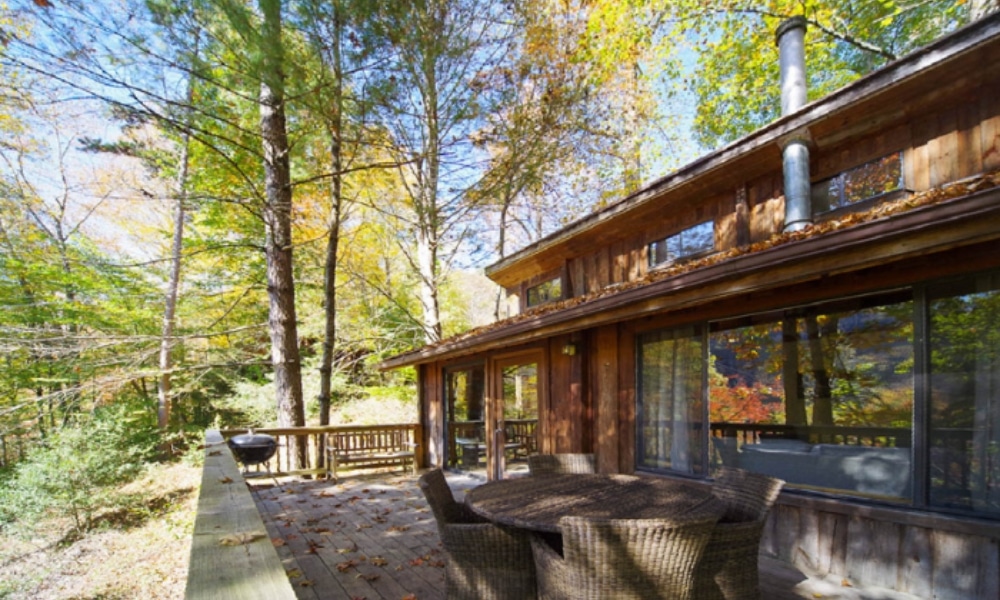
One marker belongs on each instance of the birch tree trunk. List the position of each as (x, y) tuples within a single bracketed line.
[(164, 399)]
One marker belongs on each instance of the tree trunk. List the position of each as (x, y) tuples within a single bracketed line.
[(427, 264), (795, 405), (164, 399), (278, 229), (170, 308), (823, 402), (335, 130)]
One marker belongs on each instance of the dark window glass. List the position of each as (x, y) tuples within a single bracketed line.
[(964, 414), (545, 292), (691, 241), (869, 180)]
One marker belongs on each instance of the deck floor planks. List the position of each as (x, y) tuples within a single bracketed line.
[(318, 525), (355, 523)]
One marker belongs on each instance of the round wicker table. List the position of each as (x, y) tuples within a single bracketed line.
[(537, 503)]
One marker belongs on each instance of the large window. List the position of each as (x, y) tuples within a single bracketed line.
[(670, 416), (844, 397), (821, 397), (690, 242), (964, 333)]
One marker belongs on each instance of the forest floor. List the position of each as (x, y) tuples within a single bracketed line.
[(142, 554)]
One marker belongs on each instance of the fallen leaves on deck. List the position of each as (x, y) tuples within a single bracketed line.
[(240, 538)]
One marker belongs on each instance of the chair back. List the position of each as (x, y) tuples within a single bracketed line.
[(747, 496), (559, 464), (633, 558), (442, 502)]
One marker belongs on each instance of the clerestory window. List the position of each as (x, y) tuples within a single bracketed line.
[(874, 179), (690, 242), (545, 292)]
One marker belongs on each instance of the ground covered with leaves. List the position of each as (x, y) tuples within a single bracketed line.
[(141, 552)]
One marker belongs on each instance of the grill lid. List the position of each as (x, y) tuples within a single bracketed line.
[(253, 448), (251, 440)]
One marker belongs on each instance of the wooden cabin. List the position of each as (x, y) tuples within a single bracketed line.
[(856, 355)]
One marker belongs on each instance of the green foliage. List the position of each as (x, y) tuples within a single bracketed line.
[(76, 474), (736, 77)]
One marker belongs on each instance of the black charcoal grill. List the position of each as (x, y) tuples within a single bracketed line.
[(253, 449)]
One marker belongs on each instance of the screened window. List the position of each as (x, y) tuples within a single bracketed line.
[(691, 241), (870, 180), (545, 292)]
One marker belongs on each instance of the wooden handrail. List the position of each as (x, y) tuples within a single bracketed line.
[(232, 556), (314, 438)]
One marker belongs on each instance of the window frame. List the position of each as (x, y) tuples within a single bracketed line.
[(919, 497), (651, 248), (548, 297), (863, 203)]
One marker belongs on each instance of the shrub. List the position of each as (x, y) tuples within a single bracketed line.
[(76, 474)]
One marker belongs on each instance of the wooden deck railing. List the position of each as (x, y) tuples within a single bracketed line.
[(231, 554), (753, 433), (314, 440)]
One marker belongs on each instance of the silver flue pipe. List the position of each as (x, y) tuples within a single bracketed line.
[(790, 37)]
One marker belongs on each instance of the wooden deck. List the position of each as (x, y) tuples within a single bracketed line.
[(373, 537)]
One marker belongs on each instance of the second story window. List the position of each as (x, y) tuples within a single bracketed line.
[(693, 240), (870, 180), (545, 292)]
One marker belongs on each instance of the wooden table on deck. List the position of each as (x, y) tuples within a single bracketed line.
[(538, 502)]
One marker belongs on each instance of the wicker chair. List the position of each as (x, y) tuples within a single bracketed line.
[(623, 559), (484, 560), (553, 464), (729, 570)]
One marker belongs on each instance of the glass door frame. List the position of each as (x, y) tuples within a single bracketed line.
[(495, 430), (450, 457)]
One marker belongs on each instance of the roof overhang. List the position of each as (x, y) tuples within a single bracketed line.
[(965, 220), (871, 103)]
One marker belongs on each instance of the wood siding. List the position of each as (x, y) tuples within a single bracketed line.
[(926, 557), (948, 144), (946, 125)]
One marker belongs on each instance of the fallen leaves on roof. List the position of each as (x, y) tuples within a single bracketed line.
[(880, 211)]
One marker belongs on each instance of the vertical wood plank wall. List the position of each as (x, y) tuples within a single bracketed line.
[(917, 559), (592, 393), (947, 144), (432, 417)]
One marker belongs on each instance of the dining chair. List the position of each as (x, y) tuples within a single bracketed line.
[(485, 561), (555, 464), (625, 559), (729, 568)]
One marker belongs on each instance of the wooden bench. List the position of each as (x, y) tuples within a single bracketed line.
[(371, 447)]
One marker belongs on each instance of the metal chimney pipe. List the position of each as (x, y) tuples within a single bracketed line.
[(790, 37)]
